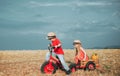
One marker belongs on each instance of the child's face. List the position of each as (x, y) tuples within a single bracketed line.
[(76, 45), (51, 38)]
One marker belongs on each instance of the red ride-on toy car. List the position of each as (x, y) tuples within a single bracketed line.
[(50, 66), (91, 64)]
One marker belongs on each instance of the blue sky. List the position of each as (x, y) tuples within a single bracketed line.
[(24, 24)]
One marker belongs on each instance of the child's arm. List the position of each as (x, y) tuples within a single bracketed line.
[(83, 52), (57, 46)]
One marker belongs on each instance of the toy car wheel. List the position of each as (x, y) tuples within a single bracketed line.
[(72, 67), (48, 68), (90, 66)]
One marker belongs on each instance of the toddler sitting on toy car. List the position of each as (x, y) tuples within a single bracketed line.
[(80, 52)]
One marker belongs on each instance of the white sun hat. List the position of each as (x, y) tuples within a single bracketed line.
[(76, 42), (50, 35)]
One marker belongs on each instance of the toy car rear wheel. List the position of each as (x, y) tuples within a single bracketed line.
[(48, 68), (90, 66), (73, 67)]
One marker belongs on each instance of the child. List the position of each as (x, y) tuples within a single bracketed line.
[(58, 51), (80, 52)]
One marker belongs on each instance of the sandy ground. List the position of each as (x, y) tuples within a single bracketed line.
[(28, 62)]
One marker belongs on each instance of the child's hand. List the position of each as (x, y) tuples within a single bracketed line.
[(54, 46)]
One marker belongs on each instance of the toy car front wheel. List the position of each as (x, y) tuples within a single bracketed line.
[(48, 68), (90, 66)]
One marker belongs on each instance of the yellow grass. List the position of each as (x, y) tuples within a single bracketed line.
[(28, 62)]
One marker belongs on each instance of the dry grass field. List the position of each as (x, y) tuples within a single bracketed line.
[(28, 62)]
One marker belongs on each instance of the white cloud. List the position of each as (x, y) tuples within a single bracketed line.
[(116, 28), (39, 4), (68, 4), (92, 3)]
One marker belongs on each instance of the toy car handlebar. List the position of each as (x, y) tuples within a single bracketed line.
[(50, 47)]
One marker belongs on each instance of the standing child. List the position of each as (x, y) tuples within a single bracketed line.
[(58, 51), (80, 52)]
